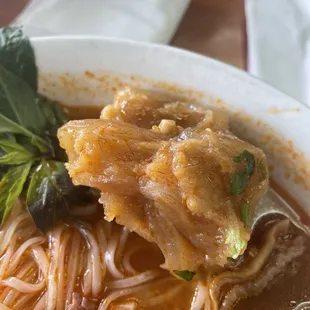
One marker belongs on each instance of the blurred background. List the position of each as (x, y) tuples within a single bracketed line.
[(269, 39), (215, 28)]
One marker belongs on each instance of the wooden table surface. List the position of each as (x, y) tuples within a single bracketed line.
[(215, 28)]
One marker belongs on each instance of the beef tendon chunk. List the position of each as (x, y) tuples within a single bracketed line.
[(189, 186)]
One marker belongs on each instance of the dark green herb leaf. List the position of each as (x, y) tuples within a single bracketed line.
[(50, 194), (53, 114), (249, 161), (239, 183), (245, 213), (8, 126), (17, 55), (13, 153), (9, 146), (11, 186), (186, 275), (28, 133), (55, 118), (18, 102), (240, 179)]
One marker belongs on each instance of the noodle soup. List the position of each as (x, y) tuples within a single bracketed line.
[(146, 204)]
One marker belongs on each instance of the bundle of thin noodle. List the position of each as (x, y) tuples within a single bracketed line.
[(77, 267), (172, 173), (68, 268)]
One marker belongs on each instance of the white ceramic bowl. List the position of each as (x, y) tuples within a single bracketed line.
[(87, 71)]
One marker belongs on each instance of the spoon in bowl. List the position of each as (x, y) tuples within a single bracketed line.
[(273, 203)]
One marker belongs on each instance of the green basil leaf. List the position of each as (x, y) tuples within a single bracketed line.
[(17, 55), (9, 126), (11, 187), (55, 118), (53, 114), (28, 132), (186, 275), (245, 213), (50, 194), (14, 153), (15, 158), (239, 183), (18, 102), (9, 146)]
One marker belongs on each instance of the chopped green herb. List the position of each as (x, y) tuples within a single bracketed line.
[(186, 275), (240, 179), (239, 183), (249, 161), (235, 241), (245, 213)]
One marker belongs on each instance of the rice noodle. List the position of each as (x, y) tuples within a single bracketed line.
[(94, 255), (126, 260), (54, 241), (12, 296), (61, 272), (303, 306), (127, 306), (122, 241), (7, 239), (41, 259), (20, 304), (87, 277), (129, 291), (4, 307), (199, 297), (135, 280), (8, 295), (73, 263), (23, 286), (20, 251), (16, 211), (47, 277), (110, 257), (103, 243), (41, 303), (231, 277), (151, 302), (6, 259)]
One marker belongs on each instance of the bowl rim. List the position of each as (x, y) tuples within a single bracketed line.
[(183, 52)]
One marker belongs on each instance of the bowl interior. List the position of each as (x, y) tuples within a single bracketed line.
[(88, 71)]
